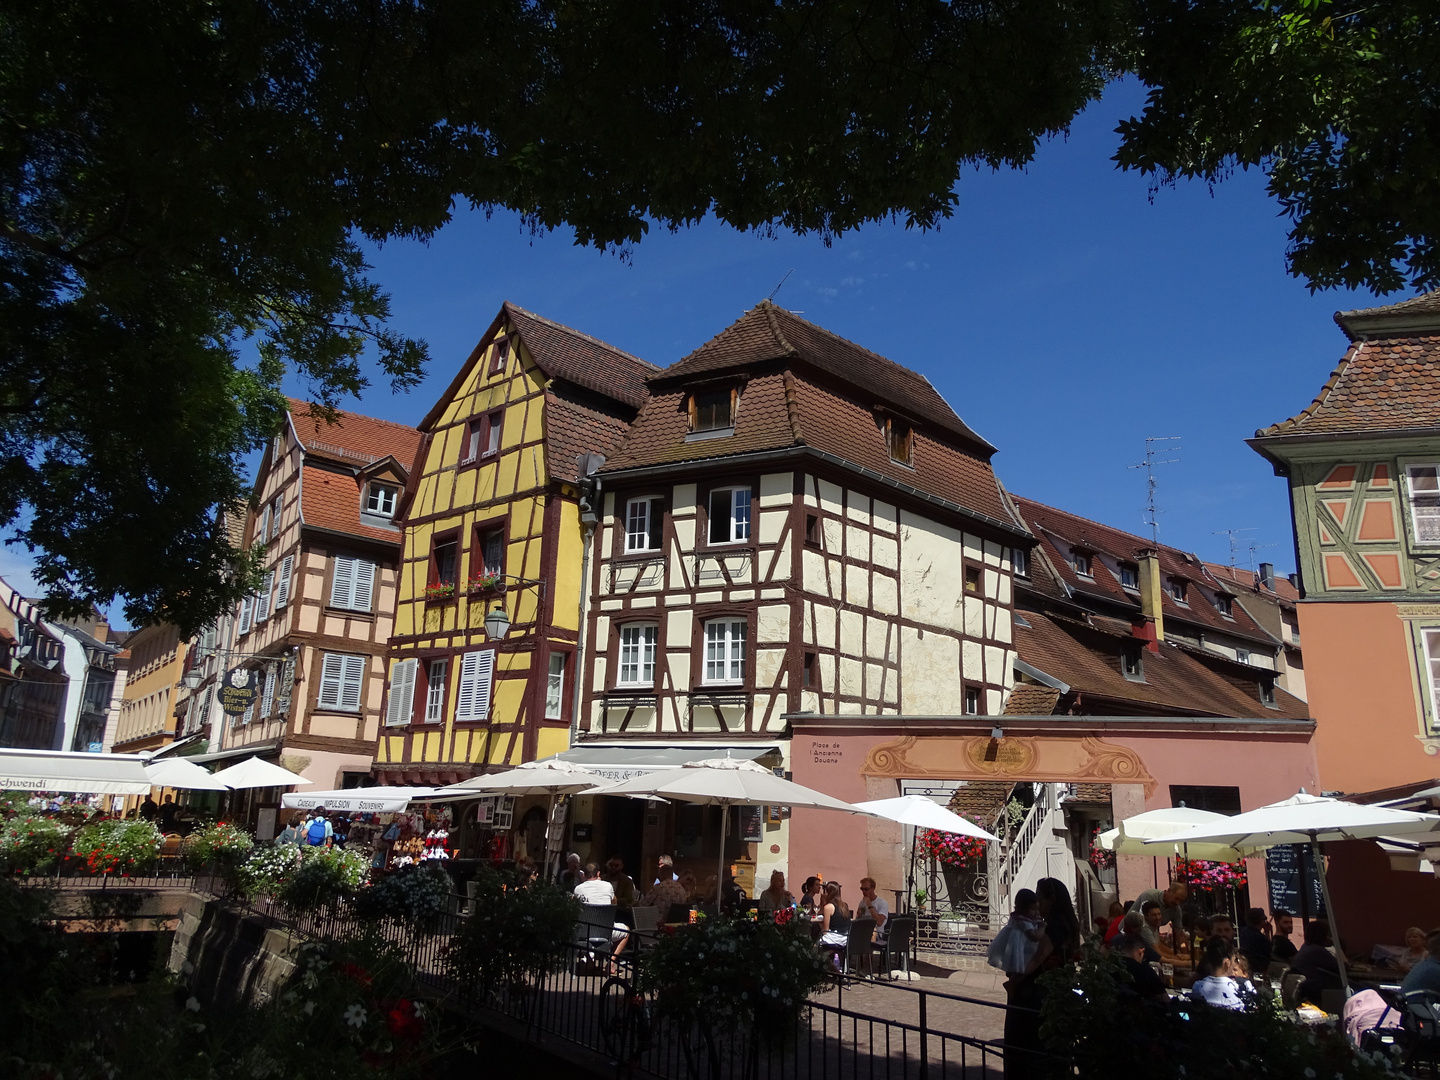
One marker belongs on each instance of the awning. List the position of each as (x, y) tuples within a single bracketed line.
[(256, 750), (622, 762), (367, 800), (62, 770)]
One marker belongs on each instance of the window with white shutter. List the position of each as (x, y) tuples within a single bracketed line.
[(275, 517), (247, 611), (262, 598), (472, 694), (402, 692), (263, 533), (282, 587), (353, 584), (340, 682), (435, 691)]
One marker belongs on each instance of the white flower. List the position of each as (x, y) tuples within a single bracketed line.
[(309, 1008), (355, 1015), (193, 1004)]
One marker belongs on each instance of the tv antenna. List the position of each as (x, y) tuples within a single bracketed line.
[(1234, 536), (782, 282), (1152, 513), (1254, 547)]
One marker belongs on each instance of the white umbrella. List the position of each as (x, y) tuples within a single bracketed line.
[(179, 773), (70, 771), (254, 773), (1130, 836), (726, 782), (1310, 819), (922, 813)]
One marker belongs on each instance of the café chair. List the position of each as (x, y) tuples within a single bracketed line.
[(1421, 1020), (1276, 971), (1290, 990), (894, 951), (859, 957), (593, 936), (678, 913), (647, 918)]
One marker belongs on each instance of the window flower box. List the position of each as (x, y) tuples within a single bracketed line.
[(435, 594), (485, 583)]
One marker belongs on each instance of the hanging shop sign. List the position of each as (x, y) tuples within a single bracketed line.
[(237, 690)]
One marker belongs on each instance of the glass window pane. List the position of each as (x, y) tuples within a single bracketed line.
[(741, 514)]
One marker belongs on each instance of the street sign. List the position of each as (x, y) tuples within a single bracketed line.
[(237, 691)]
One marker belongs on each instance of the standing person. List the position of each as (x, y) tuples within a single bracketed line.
[(165, 815), (1019, 938), (874, 907), (1059, 945), (1169, 900), (318, 831), (776, 896), (292, 832), (148, 809)]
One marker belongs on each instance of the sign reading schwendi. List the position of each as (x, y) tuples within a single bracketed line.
[(237, 691)]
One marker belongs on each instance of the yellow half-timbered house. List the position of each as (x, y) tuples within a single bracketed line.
[(492, 523)]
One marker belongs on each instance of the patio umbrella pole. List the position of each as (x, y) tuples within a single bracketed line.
[(720, 876), (1330, 913)]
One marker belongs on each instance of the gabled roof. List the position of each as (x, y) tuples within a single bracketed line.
[(767, 332), (337, 458), (353, 439), (1284, 592), (1061, 532), (1388, 380), (1177, 680), (562, 353)]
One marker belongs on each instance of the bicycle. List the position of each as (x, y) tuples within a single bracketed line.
[(625, 1020)]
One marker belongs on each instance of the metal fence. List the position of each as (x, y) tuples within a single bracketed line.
[(72, 873)]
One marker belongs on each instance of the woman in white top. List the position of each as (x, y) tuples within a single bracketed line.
[(1218, 985)]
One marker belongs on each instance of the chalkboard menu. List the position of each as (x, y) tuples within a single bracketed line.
[(1285, 867), (752, 824)]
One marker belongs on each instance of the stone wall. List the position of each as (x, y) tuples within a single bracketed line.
[(229, 957)]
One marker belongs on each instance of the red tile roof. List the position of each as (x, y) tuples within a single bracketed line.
[(1382, 384), (354, 439), (579, 358), (576, 424), (1284, 591), (1027, 699), (1059, 532), (767, 332), (1419, 312), (330, 499), (1177, 680)]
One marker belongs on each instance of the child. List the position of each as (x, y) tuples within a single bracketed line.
[(1016, 943)]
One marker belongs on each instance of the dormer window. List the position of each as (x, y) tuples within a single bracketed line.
[(1178, 590), (380, 500), (900, 440), (1132, 664), (1080, 562), (1020, 562), (1129, 577), (1267, 692), (712, 410), (1224, 605)]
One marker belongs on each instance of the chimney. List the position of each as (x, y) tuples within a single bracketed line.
[(1151, 599), (1267, 575)]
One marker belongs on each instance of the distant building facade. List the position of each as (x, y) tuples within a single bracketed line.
[(156, 662)]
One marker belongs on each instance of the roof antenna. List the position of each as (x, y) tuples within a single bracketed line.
[(1254, 547), (1151, 512), (1234, 535), (782, 282)]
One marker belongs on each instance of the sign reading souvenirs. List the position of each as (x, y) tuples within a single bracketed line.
[(237, 691)]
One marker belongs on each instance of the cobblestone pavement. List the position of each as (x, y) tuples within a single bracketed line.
[(978, 1018)]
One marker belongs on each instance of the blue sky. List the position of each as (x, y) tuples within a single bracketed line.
[(1066, 312)]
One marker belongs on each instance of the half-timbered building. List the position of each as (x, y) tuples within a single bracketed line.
[(794, 524), (325, 499), (493, 528)]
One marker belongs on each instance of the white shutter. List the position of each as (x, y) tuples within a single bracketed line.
[(402, 692), (364, 585), (262, 599), (331, 673), (275, 518), (264, 533), (247, 609), (472, 697), (282, 590), (342, 585), (354, 676)]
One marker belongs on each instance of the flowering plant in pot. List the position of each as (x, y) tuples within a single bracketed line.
[(485, 582), (951, 849), (1199, 874), (221, 844), (29, 842), (440, 591), (112, 846), (325, 875), (268, 870)]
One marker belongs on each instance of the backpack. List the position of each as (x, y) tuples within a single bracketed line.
[(315, 835)]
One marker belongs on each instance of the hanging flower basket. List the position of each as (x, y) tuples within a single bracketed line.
[(951, 849), (1100, 859), (1199, 874)]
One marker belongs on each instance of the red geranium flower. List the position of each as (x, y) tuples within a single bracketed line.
[(403, 1021), (359, 974)]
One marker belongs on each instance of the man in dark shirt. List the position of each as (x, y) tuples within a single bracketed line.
[(1254, 940), (1281, 947), (149, 809), (1316, 963), (1131, 950), (166, 814)]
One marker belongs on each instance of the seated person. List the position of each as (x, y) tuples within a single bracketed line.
[(873, 906), (1426, 974), (1133, 925), (1217, 984), (596, 890), (836, 914), (1150, 931), (1170, 900), (1222, 927), (1112, 926), (812, 897), (1130, 948), (1415, 950), (776, 896), (1316, 963), (667, 892), (1254, 940), (1281, 947)]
